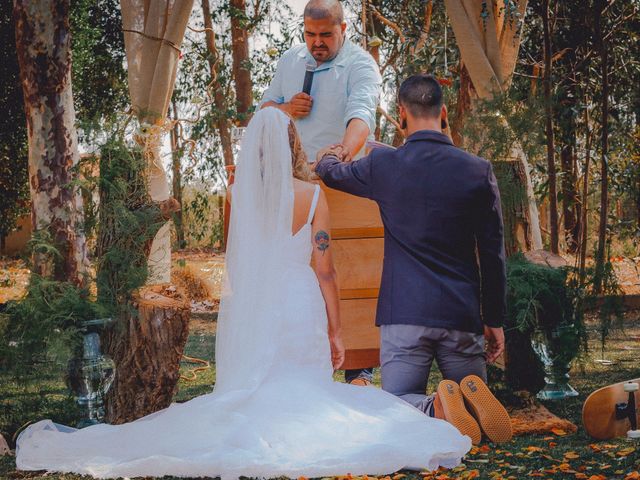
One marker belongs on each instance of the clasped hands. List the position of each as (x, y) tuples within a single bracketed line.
[(337, 150)]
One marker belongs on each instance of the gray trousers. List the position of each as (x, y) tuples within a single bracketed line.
[(407, 352)]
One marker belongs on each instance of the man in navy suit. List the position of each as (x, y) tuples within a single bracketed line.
[(443, 284)]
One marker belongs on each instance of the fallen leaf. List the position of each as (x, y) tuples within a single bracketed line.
[(558, 431), (625, 451), (533, 449)]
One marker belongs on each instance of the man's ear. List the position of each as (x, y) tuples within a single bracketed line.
[(444, 120), (343, 27), (402, 112)]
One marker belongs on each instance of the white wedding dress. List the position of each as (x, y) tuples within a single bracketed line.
[(275, 410)]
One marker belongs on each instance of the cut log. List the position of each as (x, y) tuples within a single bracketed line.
[(147, 346)]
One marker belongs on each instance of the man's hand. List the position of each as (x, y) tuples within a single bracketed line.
[(495, 342), (337, 351), (337, 150), (299, 106)]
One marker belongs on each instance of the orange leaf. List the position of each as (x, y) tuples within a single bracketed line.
[(571, 455), (632, 476), (533, 449), (558, 431), (625, 451)]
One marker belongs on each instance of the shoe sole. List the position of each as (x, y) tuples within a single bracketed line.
[(491, 415), (455, 412), (361, 382)]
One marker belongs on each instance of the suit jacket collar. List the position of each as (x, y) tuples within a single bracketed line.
[(429, 135)]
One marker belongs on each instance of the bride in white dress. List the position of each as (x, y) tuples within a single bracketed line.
[(275, 409)]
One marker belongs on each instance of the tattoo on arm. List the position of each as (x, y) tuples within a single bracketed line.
[(322, 241)]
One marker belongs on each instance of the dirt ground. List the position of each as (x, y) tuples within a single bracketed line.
[(14, 276)]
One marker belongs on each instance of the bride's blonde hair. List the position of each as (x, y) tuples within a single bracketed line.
[(299, 164)]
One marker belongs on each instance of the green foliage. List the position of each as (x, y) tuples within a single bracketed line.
[(128, 223), (601, 291), (98, 73), (505, 123), (542, 305), (14, 189), (40, 332), (539, 297)]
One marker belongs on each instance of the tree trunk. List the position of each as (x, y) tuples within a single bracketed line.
[(512, 183), (638, 204), (604, 147), (551, 164), (176, 168), (221, 121), (240, 55), (43, 45), (463, 105), (147, 347), (569, 197), (585, 196)]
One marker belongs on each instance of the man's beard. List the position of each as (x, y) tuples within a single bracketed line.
[(322, 54), (326, 51)]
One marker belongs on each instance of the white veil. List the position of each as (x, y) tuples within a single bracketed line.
[(260, 226)]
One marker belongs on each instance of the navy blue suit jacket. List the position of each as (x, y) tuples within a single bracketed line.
[(439, 206)]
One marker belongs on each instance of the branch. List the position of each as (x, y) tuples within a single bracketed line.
[(618, 23), (392, 25), (424, 35), (391, 59), (392, 120)]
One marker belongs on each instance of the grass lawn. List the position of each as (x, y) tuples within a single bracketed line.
[(573, 456)]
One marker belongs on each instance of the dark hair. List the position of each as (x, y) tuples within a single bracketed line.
[(321, 9), (421, 94)]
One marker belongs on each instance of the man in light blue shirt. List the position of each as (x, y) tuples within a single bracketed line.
[(341, 107)]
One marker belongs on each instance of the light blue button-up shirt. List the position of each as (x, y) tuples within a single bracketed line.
[(344, 88)]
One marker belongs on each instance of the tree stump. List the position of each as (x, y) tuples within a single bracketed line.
[(147, 346), (523, 368)]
